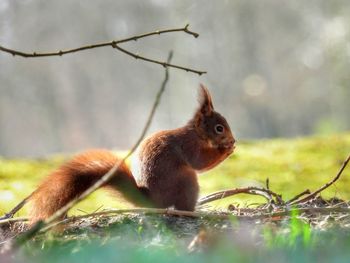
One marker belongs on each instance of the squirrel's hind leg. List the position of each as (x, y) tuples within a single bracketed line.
[(188, 190)]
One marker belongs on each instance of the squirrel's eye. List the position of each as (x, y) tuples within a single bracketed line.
[(219, 128)]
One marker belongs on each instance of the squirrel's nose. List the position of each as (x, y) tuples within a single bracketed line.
[(231, 143)]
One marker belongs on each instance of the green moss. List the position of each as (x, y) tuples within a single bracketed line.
[(291, 166)]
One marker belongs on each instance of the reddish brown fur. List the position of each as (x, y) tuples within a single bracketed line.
[(167, 164), (74, 177)]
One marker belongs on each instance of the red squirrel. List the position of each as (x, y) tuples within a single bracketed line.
[(165, 166)]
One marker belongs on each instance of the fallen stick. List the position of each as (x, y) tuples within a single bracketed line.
[(13, 220), (268, 194), (312, 195), (306, 192)]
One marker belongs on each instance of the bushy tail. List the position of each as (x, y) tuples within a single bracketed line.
[(75, 176)]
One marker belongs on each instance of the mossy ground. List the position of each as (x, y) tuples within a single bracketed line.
[(292, 165)]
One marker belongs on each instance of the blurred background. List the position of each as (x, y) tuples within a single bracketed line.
[(275, 69)]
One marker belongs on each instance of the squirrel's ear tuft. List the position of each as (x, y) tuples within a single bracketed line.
[(205, 101)]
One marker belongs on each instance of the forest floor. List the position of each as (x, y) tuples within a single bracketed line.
[(253, 229)]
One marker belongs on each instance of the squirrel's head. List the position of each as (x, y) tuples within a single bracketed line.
[(211, 125)]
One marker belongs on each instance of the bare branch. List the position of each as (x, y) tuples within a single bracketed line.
[(312, 195), (164, 64), (247, 190), (305, 192), (205, 214), (114, 44), (12, 220)]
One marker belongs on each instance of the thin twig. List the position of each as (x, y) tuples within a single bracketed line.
[(306, 192), (114, 44), (312, 195), (13, 220), (41, 224), (164, 64), (246, 190), (15, 209)]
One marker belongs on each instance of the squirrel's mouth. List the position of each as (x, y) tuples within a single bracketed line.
[(230, 146)]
